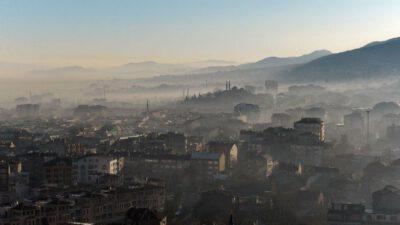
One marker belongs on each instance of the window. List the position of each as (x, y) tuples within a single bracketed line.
[(380, 217)]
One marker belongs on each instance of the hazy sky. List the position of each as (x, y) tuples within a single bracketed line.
[(112, 32)]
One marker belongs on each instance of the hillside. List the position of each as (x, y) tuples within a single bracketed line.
[(374, 60), (284, 61)]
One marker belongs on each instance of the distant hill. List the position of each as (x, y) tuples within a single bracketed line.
[(144, 69), (374, 60), (9, 69), (67, 69), (270, 62), (284, 61), (148, 68), (214, 69), (64, 71)]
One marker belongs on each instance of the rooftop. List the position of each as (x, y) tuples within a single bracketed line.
[(309, 120)]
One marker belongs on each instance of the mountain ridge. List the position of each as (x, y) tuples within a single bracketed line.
[(274, 61), (371, 60)]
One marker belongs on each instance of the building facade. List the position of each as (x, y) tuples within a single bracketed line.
[(88, 169)]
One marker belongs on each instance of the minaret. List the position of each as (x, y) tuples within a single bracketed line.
[(229, 85), (147, 106)]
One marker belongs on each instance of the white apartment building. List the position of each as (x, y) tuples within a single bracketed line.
[(88, 169)]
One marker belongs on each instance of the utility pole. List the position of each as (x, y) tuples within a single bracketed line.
[(147, 106), (368, 111)]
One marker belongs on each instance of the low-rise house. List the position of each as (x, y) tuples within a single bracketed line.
[(306, 205), (99, 206), (386, 200), (48, 212), (144, 216), (345, 214)]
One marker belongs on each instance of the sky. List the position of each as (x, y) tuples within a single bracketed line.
[(101, 33)]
